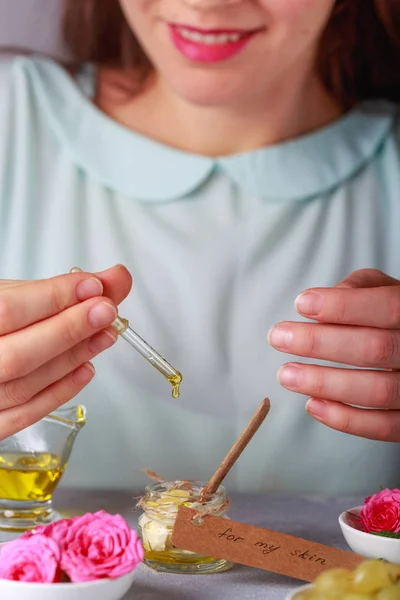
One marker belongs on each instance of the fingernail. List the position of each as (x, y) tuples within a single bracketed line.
[(83, 374), (309, 303), (317, 409), (290, 376), (280, 337), (88, 288), (113, 267), (102, 314), (101, 341)]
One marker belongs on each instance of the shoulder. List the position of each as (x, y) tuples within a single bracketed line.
[(38, 77), (40, 96), (17, 68), (10, 69), (14, 90), (21, 82), (8, 61), (33, 90)]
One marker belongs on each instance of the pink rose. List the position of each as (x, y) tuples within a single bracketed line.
[(381, 512), (30, 532), (36, 558), (55, 531), (98, 545)]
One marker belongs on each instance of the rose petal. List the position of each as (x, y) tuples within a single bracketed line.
[(381, 512), (100, 545), (35, 558)]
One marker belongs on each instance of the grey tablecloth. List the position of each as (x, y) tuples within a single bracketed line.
[(314, 518)]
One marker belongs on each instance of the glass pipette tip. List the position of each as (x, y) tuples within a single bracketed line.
[(123, 329)]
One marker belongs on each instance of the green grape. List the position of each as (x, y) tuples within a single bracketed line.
[(372, 575), (395, 571), (389, 593), (334, 580)]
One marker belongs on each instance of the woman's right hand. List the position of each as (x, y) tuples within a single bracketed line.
[(49, 331)]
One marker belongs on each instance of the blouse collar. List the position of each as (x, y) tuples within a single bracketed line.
[(302, 168)]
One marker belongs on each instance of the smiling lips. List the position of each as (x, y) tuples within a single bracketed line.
[(209, 46)]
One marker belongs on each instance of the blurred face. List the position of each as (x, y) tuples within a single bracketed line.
[(222, 52)]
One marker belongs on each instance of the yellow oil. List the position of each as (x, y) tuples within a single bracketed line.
[(177, 557), (175, 381), (29, 477)]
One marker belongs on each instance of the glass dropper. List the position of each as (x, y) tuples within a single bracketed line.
[(121, 326)]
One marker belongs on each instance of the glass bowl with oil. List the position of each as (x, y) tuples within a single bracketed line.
[(160, 506), (32, 463)]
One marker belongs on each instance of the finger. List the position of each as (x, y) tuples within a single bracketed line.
[(30, 302), (364, 278), (21, 390), (117, 283), (25, 302), (19, 417), (24, 351), (5, 283), (372, 307), (380, 425), (372, 389), (357, 346)]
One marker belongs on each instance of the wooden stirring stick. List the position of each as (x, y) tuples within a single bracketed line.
[(237, 449)]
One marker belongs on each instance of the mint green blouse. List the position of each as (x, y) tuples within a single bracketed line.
[(219, 249)]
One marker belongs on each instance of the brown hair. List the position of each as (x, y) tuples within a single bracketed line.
[(359, 55)]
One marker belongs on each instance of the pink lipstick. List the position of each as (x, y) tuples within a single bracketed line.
[(209, 46)]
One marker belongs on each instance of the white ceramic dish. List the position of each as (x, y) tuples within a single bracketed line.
[(303, 588), (366, 544), (101, 589)]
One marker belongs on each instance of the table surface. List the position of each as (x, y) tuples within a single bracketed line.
[(314, 518)]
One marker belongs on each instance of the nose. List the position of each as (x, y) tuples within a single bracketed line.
[(210, 3)]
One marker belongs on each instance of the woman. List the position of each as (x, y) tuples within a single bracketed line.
[(232, 154)]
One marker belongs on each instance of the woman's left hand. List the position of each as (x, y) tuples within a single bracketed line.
[(358, 324)]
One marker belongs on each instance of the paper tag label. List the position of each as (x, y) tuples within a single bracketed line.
[(258, 547)]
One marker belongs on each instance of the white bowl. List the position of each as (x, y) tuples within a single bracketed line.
[(101, 589), (367, 544), (303, 588)]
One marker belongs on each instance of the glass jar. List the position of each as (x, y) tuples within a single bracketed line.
[(160, 507)]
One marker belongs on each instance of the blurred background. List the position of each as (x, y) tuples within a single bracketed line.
[(32, 25)]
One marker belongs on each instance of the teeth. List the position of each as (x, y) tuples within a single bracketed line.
[(209, 38)]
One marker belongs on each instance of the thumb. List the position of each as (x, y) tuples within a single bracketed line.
[(367, 278)]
